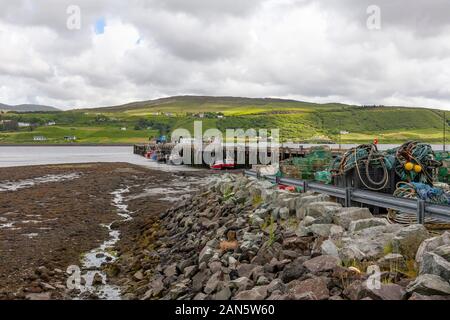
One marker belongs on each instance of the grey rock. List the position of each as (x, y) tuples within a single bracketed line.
[(206, 254), (346, 215), (322, 263), (431, 244), (366, 223), (257, 293), (329, 248), (408, 239), (212, 283), (293, 271), (432, 263), (242, 284), (429, 284), (284, 213), (310, 289)]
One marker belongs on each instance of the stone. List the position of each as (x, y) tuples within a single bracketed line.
[(223, 294), (39, 296), (389, 291), (329, 248), (205, 255), (284, 213), (293, 271), (302, 231), (322, 263), (322, 212), (416, 296), (366, 223), (443, 251), (242, 284), (392, 262), (429, 284), (324, 230), (212, 283), (276, 285), (190, 271), (368, 244), (432, 263), (303, 202), (262, 280), (431, 244), (169, 271), (266, 253), (346, 215), (408, 239), (311, 289), (199, 280), (245, 270), (257, 293)]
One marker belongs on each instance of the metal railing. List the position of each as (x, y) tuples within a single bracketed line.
[(421, 208)]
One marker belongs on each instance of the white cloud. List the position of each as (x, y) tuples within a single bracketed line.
[(304, 49)]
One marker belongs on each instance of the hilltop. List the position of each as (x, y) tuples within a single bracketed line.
[(27, 108), (297, 120)]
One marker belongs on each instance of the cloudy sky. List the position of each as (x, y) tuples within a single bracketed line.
[(319, 51)]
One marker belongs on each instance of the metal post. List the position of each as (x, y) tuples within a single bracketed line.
[(420, 211), (348, 197), (305, 185), (277, 179)]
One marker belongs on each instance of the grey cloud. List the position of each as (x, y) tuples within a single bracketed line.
[(311, 50)]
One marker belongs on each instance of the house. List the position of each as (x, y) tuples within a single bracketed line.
[(23, 124), (39, 138), (220, 116), (123, 129), (51, 123), (344, 132), (70, 138)]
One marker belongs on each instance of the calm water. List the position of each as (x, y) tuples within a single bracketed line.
[(41, 155)]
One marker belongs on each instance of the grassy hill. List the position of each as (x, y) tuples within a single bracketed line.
[(297, 120), (27, 108)]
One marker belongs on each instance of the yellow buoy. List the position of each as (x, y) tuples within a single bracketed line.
[(409, 166), (417, 168)]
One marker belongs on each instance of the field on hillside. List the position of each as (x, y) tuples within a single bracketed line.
[(297, 121)]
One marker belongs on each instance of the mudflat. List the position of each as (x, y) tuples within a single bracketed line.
[(50, 216)]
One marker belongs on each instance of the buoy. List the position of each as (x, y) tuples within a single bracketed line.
[(417, 168), (409, 166)]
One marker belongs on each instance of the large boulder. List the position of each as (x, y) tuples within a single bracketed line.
[(431, 244), (368, 244), (408, 239), (293, 270), (302, 203), (310, 289), (346, 215), (322, 263), (366, 223), (429, 284), (437, 262), (322, 212), (325, 230)]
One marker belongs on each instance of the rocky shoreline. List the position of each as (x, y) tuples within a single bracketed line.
[(244, 239), (59, 217)]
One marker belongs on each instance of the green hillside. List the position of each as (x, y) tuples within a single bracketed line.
[(297, 121)]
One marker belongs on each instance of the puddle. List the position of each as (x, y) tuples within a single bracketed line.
[(30, 235), (94, 259), (28, 183)]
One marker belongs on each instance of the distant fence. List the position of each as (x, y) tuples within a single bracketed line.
[(421, 208)]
